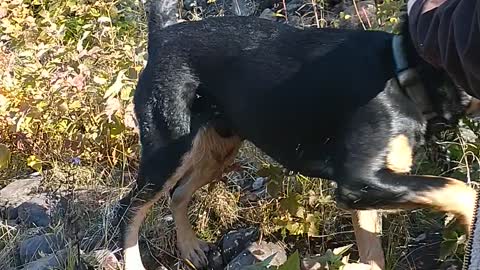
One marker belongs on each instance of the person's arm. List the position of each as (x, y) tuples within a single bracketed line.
[(447, 34)]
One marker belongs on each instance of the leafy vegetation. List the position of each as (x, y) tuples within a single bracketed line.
[(68, 70)]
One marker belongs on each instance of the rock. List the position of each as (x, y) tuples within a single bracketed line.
[(189, 4), (258, 252), (34, 212), (236, 241), (106, 259), (33, 248), (241, 7), (52, 261), (258, 183), (295, 21), (18, 200), (294, 5), (317, 262), (215, 259), (268, 14), (20, 190)]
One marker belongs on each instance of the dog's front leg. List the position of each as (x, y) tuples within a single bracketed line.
[(367, 225)]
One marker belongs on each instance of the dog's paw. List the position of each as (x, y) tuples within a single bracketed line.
[(194, 252)]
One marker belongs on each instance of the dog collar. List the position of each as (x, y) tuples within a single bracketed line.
[(409, 79)]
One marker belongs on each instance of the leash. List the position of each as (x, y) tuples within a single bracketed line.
[(472, 250)]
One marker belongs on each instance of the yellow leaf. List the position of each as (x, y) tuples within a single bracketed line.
[(116, 86), (75, 105), (126, 93), (99, 80), (5, 155), (34, 163)]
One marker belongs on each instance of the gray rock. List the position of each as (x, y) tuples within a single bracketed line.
[(189, 4), (20, 190), (215, 259), (295, 21), (258, 252), (34, 212), (19, 201), (258, 183), (52, 261), (268, 14), (236, 241), (106, 260), (294, 5), (36, 247), (242, 7)]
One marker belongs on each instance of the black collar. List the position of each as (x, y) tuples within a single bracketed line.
[(408, 78)]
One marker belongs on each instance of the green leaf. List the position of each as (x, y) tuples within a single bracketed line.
[(292, 263), (291, 203), (263, 265), (447, 249)]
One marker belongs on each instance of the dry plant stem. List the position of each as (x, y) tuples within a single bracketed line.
[(314, 4), (366, 16), (285, 9), (358, 15)]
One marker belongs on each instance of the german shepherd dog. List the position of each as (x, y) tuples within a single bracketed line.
[(346, 105)]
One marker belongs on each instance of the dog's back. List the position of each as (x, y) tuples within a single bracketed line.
[(324, 102)]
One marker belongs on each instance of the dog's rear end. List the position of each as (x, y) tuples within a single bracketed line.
[(178, 154)]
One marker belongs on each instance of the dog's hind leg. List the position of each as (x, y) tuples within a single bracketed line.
[(209, 156), (367, 225)]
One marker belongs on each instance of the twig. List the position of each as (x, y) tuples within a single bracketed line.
[(285, 9), (358, 14), (314, 4), (366, 16)]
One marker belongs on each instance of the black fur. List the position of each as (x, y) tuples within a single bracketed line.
[(321, 102)]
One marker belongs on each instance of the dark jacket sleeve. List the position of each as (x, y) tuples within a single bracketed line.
[(449, 37)]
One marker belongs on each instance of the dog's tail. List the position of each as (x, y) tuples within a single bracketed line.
[(161, 14)]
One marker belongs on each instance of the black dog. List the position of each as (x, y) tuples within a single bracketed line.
[(344, 105)]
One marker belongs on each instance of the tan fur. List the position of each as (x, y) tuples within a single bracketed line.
[(207, 144), (132, 256), (367, 225), (400, 155), (474, 107), (208, 158), (456, 198)]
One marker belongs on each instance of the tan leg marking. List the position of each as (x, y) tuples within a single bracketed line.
[(400, 155), (131, 254), (367, 225), (456, 197), (206, 161), (209, 155), (473, 108)]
